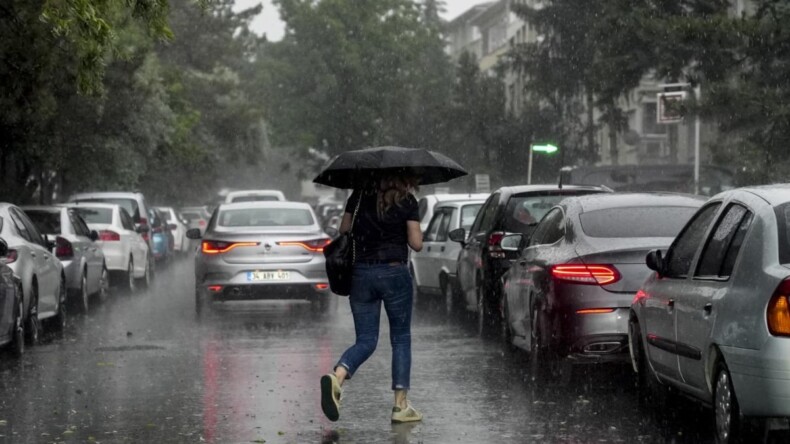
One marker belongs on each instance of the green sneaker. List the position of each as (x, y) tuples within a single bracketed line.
[(409, 414), (330, 396)]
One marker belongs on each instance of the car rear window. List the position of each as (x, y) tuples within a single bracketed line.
[(783, 223), (190, 216), (95, 215), (47, 222), (254, 198), (265, 217), (523, 213), (130, 205), (468, 214), (653, 221)]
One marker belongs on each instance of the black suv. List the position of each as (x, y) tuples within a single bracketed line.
[(482, 261)]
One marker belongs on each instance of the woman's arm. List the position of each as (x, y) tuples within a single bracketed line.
[(414, 235), (345, 224)]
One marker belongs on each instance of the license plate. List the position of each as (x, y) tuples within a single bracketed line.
[(257, 276)]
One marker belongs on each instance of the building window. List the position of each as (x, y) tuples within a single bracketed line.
[(649, 119)]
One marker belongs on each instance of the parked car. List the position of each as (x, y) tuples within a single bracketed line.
[(134, 204), (713, 320), (568, 295), (40, 272), (196, 217), (427, 203), (434, 268), (12, 307), (482, 261), (254, 196), (75, 245), (125, 251), (178, 228), (161, 237), (261, 250)]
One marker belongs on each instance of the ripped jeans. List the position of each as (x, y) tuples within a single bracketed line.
[(373, 284)]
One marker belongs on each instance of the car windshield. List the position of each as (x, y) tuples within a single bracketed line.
[(265, 217), (631, 222), (47, 222), (95, 215), (522, 213), (783, 224), (130, 205)]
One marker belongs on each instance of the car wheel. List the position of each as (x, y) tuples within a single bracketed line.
[(18, 335), (545, 363), (636, 349), (505, 330), (83, 302), (61, 318), (449, 299), (104, 284), (148, 276), (33, 324), (486, 315), (729, 423), (131, 282)]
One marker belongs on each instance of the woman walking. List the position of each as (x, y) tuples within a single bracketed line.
[(385, 226)]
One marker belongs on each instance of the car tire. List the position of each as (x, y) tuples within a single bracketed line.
[(486, 315), (544, 362), (450, 304), (60, 320), (506, 333), (17, 346), (131, 282), (32, 323), (639, 363), (104, 284), (730, 424), (82, 302), (148, 276)]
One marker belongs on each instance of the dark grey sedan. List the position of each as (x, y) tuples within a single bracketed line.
[(567, 296), (12, 327)]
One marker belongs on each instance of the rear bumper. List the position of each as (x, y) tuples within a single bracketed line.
[(114, 256), (594, 337), (262, 292), (761, 378)]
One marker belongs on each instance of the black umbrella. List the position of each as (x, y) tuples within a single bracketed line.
[(354, 168)]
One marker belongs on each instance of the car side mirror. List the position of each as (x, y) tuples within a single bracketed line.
[(330, 231), (142, 229), (172, 227), (458, 235), (655, 261), (3, 248), (194, 233), (94, 235), (512, 242)]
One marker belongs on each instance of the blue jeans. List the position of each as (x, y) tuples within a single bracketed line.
[(370, 286)]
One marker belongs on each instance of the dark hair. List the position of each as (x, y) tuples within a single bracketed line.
[(392, 190)]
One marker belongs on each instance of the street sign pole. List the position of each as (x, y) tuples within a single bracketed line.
[(697, 97), (546, 148), (529, 168)]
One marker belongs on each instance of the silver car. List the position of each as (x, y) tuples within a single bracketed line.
[(713, 319), (261, 251), (434, 267), (77, 248)]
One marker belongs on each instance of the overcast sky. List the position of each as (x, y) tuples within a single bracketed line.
[(268, 21)]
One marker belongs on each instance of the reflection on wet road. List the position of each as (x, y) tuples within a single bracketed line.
[(142, 369)]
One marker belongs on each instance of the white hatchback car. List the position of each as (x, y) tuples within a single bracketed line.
[(125, 251), (178, 227), (713, 320), (427, 203)]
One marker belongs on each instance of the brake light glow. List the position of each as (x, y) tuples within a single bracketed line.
[(321, 286), (215, 288), (63, 248), (315, 245), (107, 235), (494, 245), (10, 257), (586, 274), (219, 247), (587, 311), (778, 313)]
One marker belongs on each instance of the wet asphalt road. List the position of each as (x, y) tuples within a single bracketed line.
[(141, 369)]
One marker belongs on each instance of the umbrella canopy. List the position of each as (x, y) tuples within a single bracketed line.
[(354, 168)]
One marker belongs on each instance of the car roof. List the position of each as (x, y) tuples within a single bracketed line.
[(594, 202), (254, 192), (460, 203), (520, 189), (775, 194), (264, 204), (91, 205), (127, 194), (47, 208)]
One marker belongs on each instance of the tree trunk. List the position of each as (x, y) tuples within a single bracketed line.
[(614, 152), (592, 155)]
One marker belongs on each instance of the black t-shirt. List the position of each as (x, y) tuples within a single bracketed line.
[(381, 240)]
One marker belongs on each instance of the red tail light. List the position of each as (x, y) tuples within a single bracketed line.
[(63, 248), (219, 247), (494, 245), (10, 257), (202, 223), (215, 288), (315, 245), (321, 286), (143, 221), (107, 235), (778, 313), (586, 274)]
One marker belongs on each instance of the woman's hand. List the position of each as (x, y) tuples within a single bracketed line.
[(414, 235), (345, 224)]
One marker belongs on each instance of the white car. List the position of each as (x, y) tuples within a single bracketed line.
[(41, 273), (427, 203), (134, 204), (76, 247), (178, 227), (434, 268), (254, 196), (126, 252)]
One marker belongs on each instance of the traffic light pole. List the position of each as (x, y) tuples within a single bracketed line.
[(529, 167)]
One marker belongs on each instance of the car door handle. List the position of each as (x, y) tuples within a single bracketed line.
[(708, 309), (442, 249)]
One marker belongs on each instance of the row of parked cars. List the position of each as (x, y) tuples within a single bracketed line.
[(694, 293), (58, 258)]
